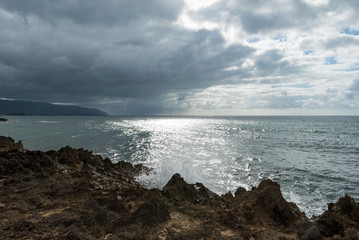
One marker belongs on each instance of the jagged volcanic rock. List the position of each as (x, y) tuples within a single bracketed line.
[(341, 221), (74, 194)]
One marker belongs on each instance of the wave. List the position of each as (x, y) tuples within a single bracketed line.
[(49, 121)]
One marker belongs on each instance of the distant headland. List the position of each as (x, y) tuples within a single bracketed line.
[(24, 108)]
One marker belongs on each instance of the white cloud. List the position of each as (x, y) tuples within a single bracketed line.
[(295, 43)]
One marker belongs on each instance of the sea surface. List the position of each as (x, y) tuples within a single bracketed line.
[(314, 159)]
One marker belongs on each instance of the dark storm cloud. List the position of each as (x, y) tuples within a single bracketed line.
[(107, 12), (57, 55)]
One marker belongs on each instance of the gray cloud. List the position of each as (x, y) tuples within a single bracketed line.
[(355, 86), (104, 12), (343, 41), (259, 16), (45, 63), (283, 102), (273, 63), (132, 56), (254, 23)]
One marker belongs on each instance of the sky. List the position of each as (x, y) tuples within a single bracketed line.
[(183, 57)]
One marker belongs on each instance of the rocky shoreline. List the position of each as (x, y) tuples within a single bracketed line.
[(74, 194)]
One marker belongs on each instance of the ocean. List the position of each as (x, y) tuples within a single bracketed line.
[(314, 159)]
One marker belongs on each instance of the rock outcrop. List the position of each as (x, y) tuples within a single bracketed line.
[(74, 194), (3, 120)]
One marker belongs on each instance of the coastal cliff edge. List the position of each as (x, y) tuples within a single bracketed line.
[(74, 194)]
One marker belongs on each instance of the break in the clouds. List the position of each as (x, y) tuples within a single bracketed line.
[(183, 57)]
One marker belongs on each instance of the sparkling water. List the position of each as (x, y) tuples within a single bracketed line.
[(315, 159)]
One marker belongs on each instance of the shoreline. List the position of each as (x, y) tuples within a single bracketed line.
[(74, 194)]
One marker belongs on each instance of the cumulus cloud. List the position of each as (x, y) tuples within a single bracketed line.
[(172, 57)]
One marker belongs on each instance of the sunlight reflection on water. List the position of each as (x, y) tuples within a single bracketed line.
[(314, 159), (198, 149)]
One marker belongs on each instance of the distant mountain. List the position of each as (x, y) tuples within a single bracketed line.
[(8, 107)]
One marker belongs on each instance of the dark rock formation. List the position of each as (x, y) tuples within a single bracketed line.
[(341, 219), (3, 120), (74, 194)]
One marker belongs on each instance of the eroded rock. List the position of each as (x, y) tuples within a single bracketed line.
[(8, 144), (341, 220)]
